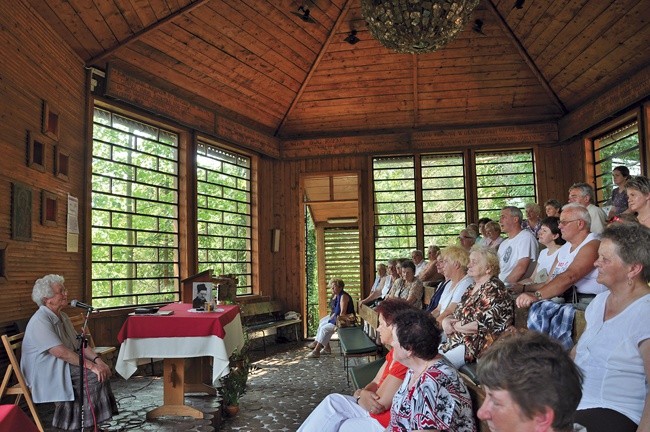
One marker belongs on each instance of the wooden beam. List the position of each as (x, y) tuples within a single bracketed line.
[(416, 103), (314, 66), (136, 36), (524, 54)]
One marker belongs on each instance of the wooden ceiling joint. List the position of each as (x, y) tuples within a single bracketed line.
[(137, 36)]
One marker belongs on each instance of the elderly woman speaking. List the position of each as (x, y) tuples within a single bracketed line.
[(51, 364)]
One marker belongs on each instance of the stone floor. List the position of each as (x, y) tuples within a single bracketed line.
[(283, 388)]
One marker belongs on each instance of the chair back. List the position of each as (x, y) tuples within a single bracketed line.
[(106, 352), (12, 345)]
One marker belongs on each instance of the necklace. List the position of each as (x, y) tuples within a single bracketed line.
[(415, 378)]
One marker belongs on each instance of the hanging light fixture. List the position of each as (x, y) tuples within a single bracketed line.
[(416, 26)]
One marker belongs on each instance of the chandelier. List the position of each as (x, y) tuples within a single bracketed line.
[(416, 26)]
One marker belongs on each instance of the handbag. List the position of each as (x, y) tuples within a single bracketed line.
[(346, 320)]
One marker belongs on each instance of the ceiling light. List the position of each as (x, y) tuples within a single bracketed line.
[(342, 220), (352, 37), (416, 26)]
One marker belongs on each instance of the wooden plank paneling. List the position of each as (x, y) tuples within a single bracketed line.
[(38, 66)]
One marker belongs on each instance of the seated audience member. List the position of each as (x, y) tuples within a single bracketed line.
[(378, 285), (342, 304), (492, 237), (550, 236), (418, 259), (430, 276), (533, 221), (531, 385), (614, 350), (392, 276), (574, 278), (467, 238), (368, 409), (454, 266), (481, 230), (583, 194), (432, 395), (618, 201), (484, 312), (435, 298), (50, 362), (408, 287), (638, 196), (517, 253), (553, 208)]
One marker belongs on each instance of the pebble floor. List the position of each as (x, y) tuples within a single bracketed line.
[(283, 388)]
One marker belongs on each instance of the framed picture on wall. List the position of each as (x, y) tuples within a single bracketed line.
[(21, 212), (61, 163), (35, 152), (50, 122), (49, 207)]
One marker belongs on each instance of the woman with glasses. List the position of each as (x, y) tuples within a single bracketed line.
[(51, 365), (408, 287)]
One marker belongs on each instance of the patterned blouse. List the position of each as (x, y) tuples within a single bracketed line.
[(619, 200), (404, 290), (438, 400), (492, 307)]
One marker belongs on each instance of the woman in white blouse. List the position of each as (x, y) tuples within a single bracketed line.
[(454, 267), (551, 237)]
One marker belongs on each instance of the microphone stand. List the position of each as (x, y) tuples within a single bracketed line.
[(83, 343)]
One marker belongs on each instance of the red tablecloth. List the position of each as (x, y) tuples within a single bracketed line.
[(13, 419), (181, 324)]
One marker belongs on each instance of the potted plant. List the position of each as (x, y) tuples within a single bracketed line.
[(233, 385)]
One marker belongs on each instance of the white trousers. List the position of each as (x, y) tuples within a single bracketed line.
[(325, 331), (456, 356), (338, 412)]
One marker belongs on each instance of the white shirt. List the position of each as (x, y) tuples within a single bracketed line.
[(453, 293), (588, 284), (544, 264), (523, 245), (608, 354), (598, 219), (420, 267)]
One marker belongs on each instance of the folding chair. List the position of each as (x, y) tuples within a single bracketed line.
[(78, 321), (12, 345)]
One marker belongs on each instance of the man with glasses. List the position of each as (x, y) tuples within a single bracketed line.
[(583, 194), (573, 278)]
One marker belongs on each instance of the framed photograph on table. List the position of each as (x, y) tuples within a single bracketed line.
[(201, 293)]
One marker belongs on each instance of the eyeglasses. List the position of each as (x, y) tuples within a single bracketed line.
[(464, 238), (566, 222)]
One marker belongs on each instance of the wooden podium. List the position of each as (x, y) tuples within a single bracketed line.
[(225, 285)]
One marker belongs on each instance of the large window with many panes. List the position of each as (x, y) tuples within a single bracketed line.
[(224, 225), (134, 212)]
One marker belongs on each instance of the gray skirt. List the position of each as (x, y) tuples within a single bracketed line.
[(99, 403)]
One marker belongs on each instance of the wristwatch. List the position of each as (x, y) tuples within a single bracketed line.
[(538, 295)]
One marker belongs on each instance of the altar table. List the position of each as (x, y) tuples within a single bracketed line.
[(180, 338)]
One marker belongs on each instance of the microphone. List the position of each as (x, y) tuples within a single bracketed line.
[(77, 303)]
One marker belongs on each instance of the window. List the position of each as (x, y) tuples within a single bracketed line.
[(615, 148), (224, 214), (342, 259), (394, 196), (504, 179), (134, 212), (448, 203), (443, 198)]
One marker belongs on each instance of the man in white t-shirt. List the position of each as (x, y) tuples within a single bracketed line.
[(583, 194), (517, 253), (418, 259)]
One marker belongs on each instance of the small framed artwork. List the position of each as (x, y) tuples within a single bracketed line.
[(49, 207), (35, 152), (50, 122), (3, 262), (61, 163), (21, 212), (201, 293)]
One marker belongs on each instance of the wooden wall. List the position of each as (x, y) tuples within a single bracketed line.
[(36, 65)]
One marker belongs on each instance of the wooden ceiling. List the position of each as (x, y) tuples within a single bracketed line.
[(258, 63)]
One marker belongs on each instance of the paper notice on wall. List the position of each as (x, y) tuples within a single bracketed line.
[(73, 215), (73, 225)]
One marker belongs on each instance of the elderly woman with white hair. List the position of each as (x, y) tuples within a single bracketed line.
[(50, 362)]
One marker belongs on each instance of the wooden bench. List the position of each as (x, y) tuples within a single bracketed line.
[(354, 342), (261, 319)]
